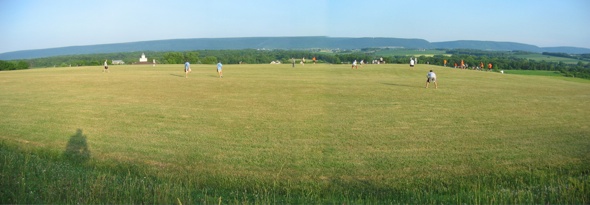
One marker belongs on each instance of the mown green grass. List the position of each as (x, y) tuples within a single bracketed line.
[(534, 72), (540, 57), (276, 134)]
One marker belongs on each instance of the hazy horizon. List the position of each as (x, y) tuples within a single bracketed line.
[(36, 24)]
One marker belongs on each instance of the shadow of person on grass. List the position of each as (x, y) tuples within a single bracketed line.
[(401, 85), (177, 75), (77, 148)]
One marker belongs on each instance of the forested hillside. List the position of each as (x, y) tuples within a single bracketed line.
[(286, 43)]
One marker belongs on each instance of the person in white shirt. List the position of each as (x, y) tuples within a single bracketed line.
[(431, 77), (106, 67)]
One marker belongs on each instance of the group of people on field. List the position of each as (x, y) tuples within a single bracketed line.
[(187, 69), (463, 65), (430, 76), (302, 62)]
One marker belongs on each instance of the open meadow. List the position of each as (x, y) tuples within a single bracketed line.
[(276, 134), (540, 57)]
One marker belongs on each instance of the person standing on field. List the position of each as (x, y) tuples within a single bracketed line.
[(106, 67), (219, 72), (354, 65), (431, 77), (411, 62), (187, 69)]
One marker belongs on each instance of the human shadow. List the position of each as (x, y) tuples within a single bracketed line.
[(177, 75), (401, 85), (77, 149)]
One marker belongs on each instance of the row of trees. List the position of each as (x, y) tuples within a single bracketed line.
[(250, 56), (13, 65), (499, 59), (88, 59)]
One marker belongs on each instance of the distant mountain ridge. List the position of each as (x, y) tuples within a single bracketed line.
[(309, 42), (488, 45)]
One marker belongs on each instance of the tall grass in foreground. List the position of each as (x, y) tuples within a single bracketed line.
[(34, 177), (276, 134)]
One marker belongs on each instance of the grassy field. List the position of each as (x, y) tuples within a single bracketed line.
[(534, 72), (276, 134), (541, 57)]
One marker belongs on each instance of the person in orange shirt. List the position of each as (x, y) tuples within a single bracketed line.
[(313, 60), (490, 66), (462, 64), (481, 65), (445, 63)]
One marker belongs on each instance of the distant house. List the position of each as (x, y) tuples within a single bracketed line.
[(118, 62), (143, 59)]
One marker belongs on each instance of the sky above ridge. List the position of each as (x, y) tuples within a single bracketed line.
[(38, 24)]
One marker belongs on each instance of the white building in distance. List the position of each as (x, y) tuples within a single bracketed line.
[(143, 59), (118, 62)]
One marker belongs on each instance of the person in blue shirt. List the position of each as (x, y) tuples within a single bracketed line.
[(187, 69), (219, 72)]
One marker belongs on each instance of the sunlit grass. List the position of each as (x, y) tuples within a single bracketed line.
[(534, 72), (541, 57), (314, 133)]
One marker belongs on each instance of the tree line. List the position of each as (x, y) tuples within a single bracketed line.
[(504, 60), (13, 65)]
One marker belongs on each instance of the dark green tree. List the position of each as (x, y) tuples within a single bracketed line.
[(192, 57), (209, 60), (5, 65), (22, 65), (174, 58)]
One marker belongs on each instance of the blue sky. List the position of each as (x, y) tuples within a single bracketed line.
[(37, 24)]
